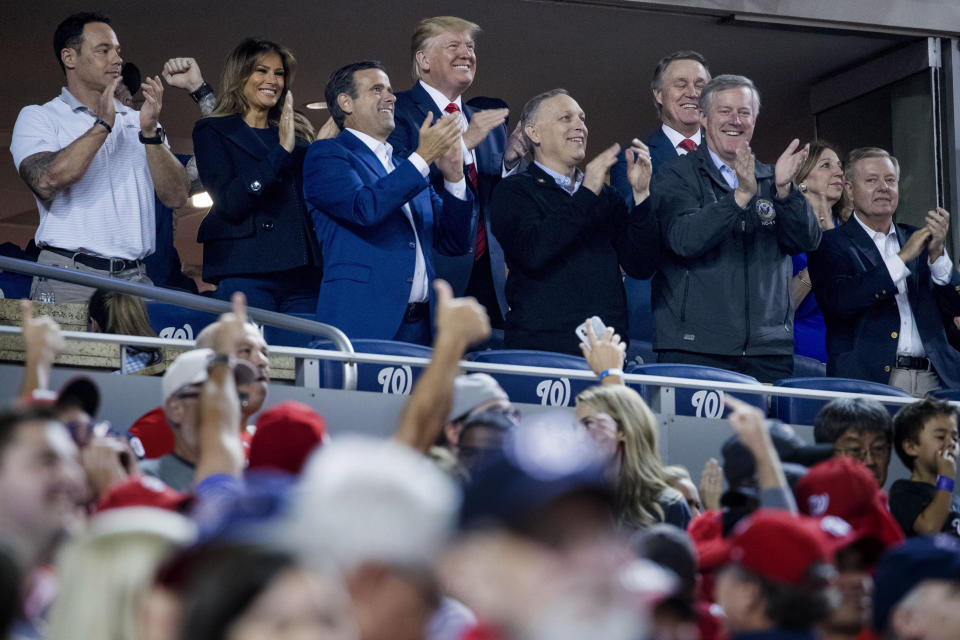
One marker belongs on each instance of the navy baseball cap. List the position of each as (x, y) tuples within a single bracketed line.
[(738, 462), (905, 566), (541, 461)]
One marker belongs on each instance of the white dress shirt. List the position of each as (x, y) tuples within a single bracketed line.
[(676, 138), (420, 289), (908, 342)]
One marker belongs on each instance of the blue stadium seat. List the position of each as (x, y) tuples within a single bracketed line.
[(286, 338), (171, 321), (803, 410), (382, 378), (807, 367), (640, 352), (702, 403), (547, 391), (947, 394)]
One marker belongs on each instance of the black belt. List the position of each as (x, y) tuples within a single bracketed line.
[(416, 311), (913, 362), (111, 265)]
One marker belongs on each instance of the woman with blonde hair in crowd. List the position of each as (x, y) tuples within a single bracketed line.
[(105, 572), (820, 180), (622, 426), (257, 237)]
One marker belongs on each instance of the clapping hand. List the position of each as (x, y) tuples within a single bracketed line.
[(639, 169), (788, 165)]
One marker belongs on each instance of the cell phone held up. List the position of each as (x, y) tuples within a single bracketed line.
[(596, 324)]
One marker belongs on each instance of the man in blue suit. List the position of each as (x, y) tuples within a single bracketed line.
[(444, 63), (677, 82), (886, 289), (376, 215)]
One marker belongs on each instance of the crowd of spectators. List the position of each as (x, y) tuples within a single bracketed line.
[(471, 521)]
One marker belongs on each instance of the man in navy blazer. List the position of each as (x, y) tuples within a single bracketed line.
[(376, 215), (444, 62), (677, 82), (886, 289)]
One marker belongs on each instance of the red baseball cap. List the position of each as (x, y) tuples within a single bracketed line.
[(844, 487), (153, 433), (286, 435), (706, 531), (782, 546), (144, 491)]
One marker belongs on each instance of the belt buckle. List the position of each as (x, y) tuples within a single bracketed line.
[(119, 261)]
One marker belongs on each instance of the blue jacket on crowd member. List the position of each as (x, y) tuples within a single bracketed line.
[(809, 330), (723, 284), (662, 154), (258, 224), (369, 248), (411, 108), (857, 297)]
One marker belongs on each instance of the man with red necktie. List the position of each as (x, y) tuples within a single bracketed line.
[(677, 82), (444, 64)]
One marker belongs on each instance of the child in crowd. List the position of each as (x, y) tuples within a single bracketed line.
[(925, 437)]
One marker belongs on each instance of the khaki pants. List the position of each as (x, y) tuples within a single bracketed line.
[(915, 382), (67, 292)]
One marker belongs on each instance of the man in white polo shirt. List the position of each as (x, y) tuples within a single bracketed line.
[(93, 164)]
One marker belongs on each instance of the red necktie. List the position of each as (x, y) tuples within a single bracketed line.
[(687, 144), (480, 244)]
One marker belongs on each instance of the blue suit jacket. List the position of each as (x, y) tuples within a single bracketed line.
[(662, 153), (368, 245), (411, 108), (258, 223), (856, 295)]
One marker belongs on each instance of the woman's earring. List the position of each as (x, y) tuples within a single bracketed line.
[(803, 187)]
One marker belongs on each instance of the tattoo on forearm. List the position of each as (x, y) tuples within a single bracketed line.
[(207, 103), (34, 169)]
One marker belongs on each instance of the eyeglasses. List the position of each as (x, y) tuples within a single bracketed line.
[(859, 453)]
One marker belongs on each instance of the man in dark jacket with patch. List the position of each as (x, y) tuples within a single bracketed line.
[(729, 225)]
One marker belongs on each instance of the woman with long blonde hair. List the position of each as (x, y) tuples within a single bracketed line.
[(621, 424), (257, 237)]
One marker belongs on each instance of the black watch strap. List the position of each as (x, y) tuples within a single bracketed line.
[(202, 92), (105, 125), (156, 139)]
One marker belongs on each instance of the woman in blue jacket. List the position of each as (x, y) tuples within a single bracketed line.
[(257, 237), (820, 179)]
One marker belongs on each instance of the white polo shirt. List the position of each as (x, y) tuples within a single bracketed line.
[(110, 211)]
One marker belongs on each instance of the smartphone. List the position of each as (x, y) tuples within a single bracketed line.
[(596, 324)]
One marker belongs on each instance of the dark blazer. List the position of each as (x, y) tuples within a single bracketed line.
[(258, 223), (411, 108), (369, 249), (564, 252), (857, 296), (662, 153)]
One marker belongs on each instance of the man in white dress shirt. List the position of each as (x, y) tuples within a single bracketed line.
[(885, 289)]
